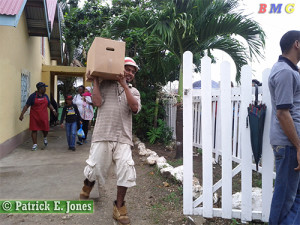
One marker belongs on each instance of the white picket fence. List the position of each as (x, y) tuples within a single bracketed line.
[(215, 120), (170, 110)]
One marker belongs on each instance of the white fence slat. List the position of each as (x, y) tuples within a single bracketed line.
[(174, 113), (214, 128), (267, 154), (226, 135), (187, 133), (199, 123), (214, 120), (235, 127), (207, 136), (171, 109), (218, 131), (246, 99), (239, 153), (195, 121)]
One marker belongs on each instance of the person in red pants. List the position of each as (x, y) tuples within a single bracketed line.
[(39, 103)]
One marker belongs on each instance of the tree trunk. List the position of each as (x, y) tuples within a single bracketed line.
[(179, 131), (156, 111), (179, 114)]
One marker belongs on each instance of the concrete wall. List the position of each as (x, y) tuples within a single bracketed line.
[(18, 52)]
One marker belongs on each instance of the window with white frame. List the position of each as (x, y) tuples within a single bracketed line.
[(25, 87)]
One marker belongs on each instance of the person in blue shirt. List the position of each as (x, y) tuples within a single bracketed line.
[(284, 85)]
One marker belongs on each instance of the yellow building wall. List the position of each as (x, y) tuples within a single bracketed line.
[(19, 52)]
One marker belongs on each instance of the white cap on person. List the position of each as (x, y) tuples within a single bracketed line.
[(130, 62)]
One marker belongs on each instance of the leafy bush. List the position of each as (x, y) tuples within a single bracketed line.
[(143, 123), (161, 133)]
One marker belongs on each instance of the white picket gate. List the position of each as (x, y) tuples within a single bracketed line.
[(215, 120)]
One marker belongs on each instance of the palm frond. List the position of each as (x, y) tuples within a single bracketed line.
[(232, 47)]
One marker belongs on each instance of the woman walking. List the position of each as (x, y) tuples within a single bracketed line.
[(84, 104), (38, 103)]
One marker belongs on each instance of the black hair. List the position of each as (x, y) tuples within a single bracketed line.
[(288, 39), (82, 86)]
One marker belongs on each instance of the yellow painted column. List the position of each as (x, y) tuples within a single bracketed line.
[(55, 88), (46, 76), (46, 79)]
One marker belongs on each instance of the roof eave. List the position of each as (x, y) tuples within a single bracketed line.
[(12, 20)]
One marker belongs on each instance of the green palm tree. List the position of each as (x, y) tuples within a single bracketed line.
[(177, 26), (196, 25)]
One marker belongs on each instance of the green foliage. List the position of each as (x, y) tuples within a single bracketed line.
[(176, 163), (196, 26), (234, 222), (153, 134), (156, 69), (256, 179), (143, 122), (173, 199), (199, 150), (180, 190), (66, 86), (161, 133), (82, 25)]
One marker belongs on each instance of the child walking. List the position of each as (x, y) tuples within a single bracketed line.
[(71, 113)]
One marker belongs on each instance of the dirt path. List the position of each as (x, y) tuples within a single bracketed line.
[(57, 173)]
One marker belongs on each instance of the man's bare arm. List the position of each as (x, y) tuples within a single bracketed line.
[(96, 97), (132, 102), (23, 112)]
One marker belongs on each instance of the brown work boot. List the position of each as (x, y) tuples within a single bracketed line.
[(120, 214), (86, 189)]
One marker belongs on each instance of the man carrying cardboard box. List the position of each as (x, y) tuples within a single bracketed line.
[(112, 136)]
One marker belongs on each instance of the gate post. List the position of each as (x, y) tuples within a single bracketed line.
[(267, 153), (207, 138), (187, 134), (226, 140), (246, 151)]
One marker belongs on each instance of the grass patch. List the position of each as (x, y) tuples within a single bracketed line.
[(176, 163), (172, 199), (160, 207), (257, 179), (157, 212)]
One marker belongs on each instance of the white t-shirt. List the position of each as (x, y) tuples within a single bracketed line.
[(85, 109)]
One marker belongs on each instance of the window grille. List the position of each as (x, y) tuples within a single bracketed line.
[(25, 87)]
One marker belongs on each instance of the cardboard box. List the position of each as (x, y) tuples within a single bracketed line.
[(106, 58)]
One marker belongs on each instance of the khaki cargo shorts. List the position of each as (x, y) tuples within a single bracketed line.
[(103, 154)]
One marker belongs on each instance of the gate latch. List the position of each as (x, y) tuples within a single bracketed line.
[(186, 91)]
